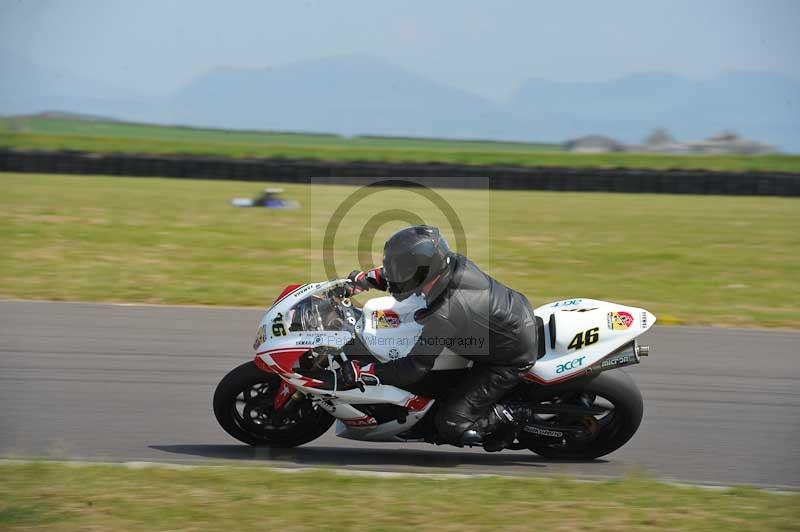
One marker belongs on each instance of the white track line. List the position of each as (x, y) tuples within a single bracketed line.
[(782, 490)]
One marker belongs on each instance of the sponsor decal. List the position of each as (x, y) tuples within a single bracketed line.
[(618, 361), (615, 361), (572, 364), (539, 431), (304, 290), (277, 326), (261, 336), (644, 320), (286, 293), (385, 319), (620, 320), (566, 303), (578, 309), (318, 339)]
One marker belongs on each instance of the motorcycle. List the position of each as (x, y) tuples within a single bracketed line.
[(580, 409)]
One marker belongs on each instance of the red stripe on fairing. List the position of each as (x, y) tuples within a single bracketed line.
[(359, 422), (282, 362), (534, 378), (417, 403), (308, 382), (286, 292), (263, 366), (285, 391), (285, 358), (284, 350)]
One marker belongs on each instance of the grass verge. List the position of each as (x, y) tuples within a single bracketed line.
[(62, 134), (46, 496), (688, 259)]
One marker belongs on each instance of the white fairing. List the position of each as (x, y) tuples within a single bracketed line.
[(611, 324), (352, 422), (389, 331), (388, 328)]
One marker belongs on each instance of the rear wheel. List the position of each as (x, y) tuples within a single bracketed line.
[(243, 406), (595, 416)]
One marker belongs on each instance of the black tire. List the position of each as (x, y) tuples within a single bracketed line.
[(617, 387), (309, 423)]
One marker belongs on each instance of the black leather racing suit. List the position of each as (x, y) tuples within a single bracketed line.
[(480, 319)]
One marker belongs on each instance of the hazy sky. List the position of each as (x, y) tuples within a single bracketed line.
[(485, 47)]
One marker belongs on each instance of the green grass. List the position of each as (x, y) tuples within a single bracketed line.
[(62, 134), (47, 496), (688, 259)]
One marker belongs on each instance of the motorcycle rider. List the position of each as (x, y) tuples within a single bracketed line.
[(461, 300)]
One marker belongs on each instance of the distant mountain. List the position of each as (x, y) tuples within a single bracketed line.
[(759, 105), (26, 88), (358, 94), (348, 95)]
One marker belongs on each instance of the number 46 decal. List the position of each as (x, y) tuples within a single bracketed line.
[(585, 338)]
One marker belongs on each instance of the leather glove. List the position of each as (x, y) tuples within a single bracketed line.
[(368, 376), (358, 282), (349, 376)]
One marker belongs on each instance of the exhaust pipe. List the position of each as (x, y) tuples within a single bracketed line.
[(626, 355)]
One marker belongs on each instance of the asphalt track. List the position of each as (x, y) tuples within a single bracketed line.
[(130, 383)]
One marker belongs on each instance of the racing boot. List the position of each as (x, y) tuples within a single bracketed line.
[(520, 412), (503, 426), (471, 437)]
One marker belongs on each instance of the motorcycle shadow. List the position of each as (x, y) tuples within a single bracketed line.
[(368, 457)]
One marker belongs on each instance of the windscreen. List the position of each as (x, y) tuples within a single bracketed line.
[(315, 313)]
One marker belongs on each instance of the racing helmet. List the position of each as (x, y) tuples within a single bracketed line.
[(416, 259)]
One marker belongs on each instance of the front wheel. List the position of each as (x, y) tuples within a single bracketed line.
[(596, 415), (243, 406)]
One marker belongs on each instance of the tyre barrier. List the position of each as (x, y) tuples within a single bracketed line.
[(630, 180)]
